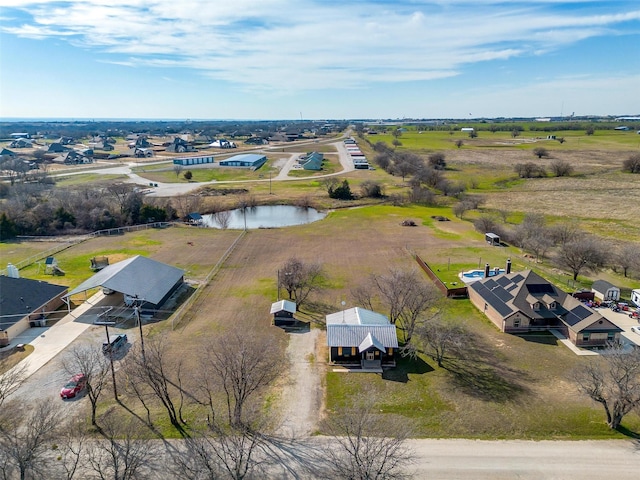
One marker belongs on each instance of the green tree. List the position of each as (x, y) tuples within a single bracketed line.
[(341, 192), (188, 175), (8, 228)]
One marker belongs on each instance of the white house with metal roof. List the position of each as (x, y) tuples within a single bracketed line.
[(357, 337)]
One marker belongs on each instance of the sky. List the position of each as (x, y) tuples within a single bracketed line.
[(318, 59)]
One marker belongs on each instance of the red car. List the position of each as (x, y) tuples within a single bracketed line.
[(73, 387)]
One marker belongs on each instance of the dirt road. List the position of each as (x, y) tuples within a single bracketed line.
[(302, 395)]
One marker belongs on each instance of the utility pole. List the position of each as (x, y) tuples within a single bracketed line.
[(136, 308), (113, 370)]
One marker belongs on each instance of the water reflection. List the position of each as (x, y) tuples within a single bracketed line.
[(266, 216)]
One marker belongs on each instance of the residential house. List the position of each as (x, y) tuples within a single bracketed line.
[(311, 161), (179, 145), (522, 302), (24, 303), (7, 153), (21, 143), (72, 158), (57, 147), (604, 290), (360, 338)]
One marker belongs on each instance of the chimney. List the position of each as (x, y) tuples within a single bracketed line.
[(486, 270), (508, 270)]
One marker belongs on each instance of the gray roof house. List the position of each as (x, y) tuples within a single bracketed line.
[(360, 338), (149, 280), (604, 290), (524, 301), (23, 301)]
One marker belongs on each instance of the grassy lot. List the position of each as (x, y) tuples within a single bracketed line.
[(506, 387)]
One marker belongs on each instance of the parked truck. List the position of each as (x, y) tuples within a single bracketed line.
[(635, 297)]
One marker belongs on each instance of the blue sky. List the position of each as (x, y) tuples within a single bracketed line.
[(285, 59)]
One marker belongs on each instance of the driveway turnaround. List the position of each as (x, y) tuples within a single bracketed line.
[(55, 338)]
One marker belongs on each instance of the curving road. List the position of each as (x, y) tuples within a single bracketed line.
[(173, 189)]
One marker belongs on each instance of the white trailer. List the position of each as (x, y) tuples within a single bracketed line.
[(635, 297)]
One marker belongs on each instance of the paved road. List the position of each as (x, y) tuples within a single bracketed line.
[(495, 460), (173, 189)]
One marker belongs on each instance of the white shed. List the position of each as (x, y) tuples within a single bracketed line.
[(604, 290)]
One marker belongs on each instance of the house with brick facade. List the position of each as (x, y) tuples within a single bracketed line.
[(522, 302)]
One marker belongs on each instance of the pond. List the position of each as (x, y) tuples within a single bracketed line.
[(266, 216)]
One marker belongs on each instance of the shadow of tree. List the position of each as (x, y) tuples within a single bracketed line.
[(631, 434), (482, 375), (404, 367), (544, 338)]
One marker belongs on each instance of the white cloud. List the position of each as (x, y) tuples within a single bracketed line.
[(306, 44)]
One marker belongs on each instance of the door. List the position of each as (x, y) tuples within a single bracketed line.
[(371, 355)]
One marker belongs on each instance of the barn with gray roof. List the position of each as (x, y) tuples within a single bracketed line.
[(149, 280)]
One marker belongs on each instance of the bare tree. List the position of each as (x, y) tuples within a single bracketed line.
[(12, 379), (460, 208), (219, 450), (25, 433), (222, 218), (613, 380), (439, 339), (632, 164), (159, 374), (459, 143), (561, 168), (71, 451), (627, 256), (584, 253), (299, 279), (529, 170), (540, 152), (405, 296), (90, 361), (368, 446), (564, 232), (120, 191), (186, 204), (121, 455), (437, 161), (531, 235), (243, 364), (177, 169)]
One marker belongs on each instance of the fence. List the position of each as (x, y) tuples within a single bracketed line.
[(82, 238), (449, 292)]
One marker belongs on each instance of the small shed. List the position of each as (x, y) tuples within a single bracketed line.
[(283, 312), (604, 290), (492, 239)]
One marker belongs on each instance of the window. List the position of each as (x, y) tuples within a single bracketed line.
[(585, 337), (516, 323), (611, 336)]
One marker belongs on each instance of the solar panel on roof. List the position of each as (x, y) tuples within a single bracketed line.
[(511, 287), (581, 312), (518, 278), (504, 281), (536, 288), (502, 294)]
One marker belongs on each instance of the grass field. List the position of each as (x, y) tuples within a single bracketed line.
[(507, 387)]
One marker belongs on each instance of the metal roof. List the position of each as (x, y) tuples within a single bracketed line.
[(339, 335), (148, 279), (283, 306), (370, 341), (357, 316)]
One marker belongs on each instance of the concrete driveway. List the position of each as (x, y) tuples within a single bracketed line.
[(622, 320)]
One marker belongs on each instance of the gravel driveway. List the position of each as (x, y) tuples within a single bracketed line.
[(301, 397)]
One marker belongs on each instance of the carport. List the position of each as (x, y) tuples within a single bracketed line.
[(138, 277)]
